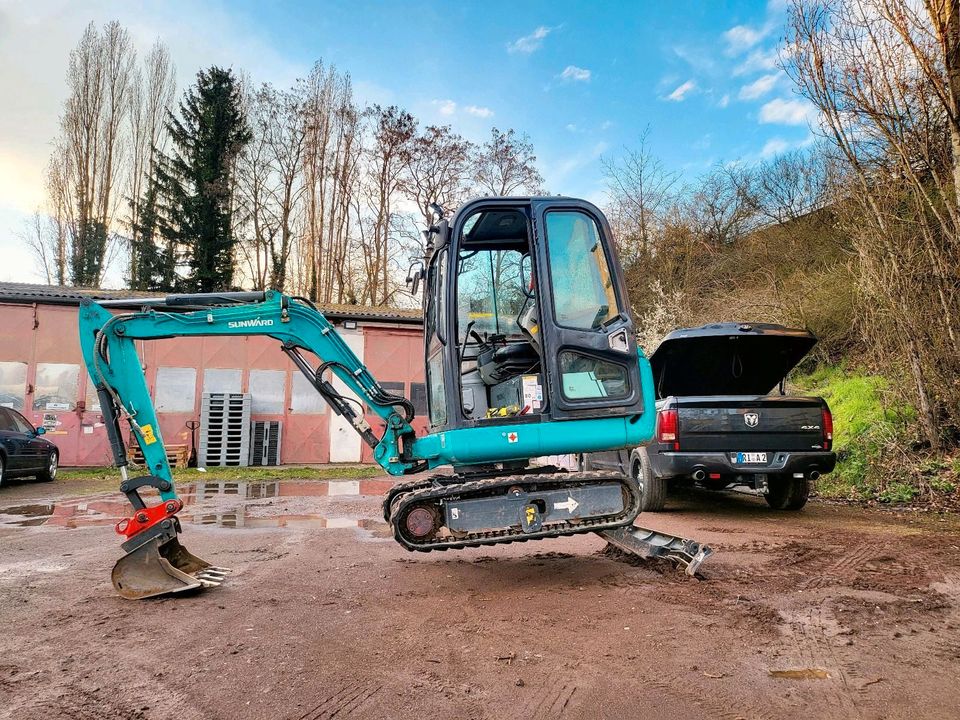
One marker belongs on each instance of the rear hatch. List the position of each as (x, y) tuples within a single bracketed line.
[(720, 375), (747, 423)]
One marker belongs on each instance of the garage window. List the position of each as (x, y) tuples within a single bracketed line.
[(176, 389), (267, 391), (304, 397), (13, 384), (222, 380), (56, 387)]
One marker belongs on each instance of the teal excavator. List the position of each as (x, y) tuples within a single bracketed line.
[(530, 351)]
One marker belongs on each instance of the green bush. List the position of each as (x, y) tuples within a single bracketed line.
[(863, 426)]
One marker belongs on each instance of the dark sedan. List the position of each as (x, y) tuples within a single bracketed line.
[(22, 451)]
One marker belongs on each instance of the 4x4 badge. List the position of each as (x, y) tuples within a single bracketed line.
[(751, 419)]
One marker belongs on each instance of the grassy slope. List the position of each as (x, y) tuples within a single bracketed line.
[(871, 438)]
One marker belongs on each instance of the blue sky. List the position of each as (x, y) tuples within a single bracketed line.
[(582, 79)]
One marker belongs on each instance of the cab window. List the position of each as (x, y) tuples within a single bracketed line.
[(490, 292), (584, 297)]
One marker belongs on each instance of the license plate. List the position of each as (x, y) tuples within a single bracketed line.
[(741, 458)]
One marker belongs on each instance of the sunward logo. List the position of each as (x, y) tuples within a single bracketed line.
[(256, 322)]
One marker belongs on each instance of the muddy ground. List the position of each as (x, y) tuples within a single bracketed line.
[(324, 616)]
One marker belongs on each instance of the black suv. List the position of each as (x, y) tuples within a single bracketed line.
[(22, 451)]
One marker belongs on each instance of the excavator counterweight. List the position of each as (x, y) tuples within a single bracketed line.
[(529, 351)]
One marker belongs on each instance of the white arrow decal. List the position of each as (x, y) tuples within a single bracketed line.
[(569, 505)]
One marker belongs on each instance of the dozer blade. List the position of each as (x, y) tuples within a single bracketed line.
[(688, 554), (162, 566)]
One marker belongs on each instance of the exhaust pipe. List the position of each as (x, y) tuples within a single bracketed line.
[(699, 475), (814, 474)]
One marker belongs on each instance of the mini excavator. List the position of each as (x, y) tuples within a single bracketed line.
[(530, 351)]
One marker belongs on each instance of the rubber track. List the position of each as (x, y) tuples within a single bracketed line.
[(490, 486), (405, 487)]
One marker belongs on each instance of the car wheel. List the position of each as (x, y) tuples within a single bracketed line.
[(653, 490), (50, 472), (3, 470), (785, 492)]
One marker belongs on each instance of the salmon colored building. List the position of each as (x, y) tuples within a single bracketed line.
[(42, 376)]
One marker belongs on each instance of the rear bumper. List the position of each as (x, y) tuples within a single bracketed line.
[(681, 464)]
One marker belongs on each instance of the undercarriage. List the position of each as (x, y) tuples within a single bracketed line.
[(452, 512)]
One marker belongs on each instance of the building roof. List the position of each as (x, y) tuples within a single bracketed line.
[(11, 292)]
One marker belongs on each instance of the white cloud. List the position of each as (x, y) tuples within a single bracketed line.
[(787, 112), (758, 60), (575, 74), (445, 107), (570, 127), (680, 93), (530, 43), (774, 146), (759, 87), (724, 101), (477, 111), (741, 38)]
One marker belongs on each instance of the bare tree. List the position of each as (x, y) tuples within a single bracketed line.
[(387, 157), (270, 180), (720, 207), (323, 257), (151, 97), (438, 169), (506, 165), (640, 190), (884, 76), (87, 166)]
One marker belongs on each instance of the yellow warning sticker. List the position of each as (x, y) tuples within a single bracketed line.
[(148, 437)]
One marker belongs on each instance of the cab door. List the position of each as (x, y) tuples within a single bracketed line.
[(435, 340), (589, 336)]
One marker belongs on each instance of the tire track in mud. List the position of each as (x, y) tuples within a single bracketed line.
[(808, 633), (552, 699), (845, 566), (343, 702), (947, 646), (76, 702), (715, 702)]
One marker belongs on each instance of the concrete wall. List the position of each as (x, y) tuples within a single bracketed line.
[(42, 376)]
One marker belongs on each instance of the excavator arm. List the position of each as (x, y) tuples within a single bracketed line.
[(156, 563), (108, 344)]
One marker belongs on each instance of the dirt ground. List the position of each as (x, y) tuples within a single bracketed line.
[(325, 616)]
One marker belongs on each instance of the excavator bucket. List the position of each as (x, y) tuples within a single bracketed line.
[(162, 566)]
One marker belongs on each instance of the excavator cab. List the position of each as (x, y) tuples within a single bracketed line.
[(526, 317)]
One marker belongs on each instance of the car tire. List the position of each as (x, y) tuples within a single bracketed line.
[(785, 492), (3, 470), (50, 473), (653, 489)]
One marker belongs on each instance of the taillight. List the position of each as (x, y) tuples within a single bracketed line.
[(667, 428), (827, 424)]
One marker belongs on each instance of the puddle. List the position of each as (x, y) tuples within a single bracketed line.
[(290, 504)]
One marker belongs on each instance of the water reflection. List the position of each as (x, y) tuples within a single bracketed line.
[(223, 504)]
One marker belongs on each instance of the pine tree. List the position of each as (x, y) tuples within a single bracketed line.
[(153, 259), (195, 186)]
